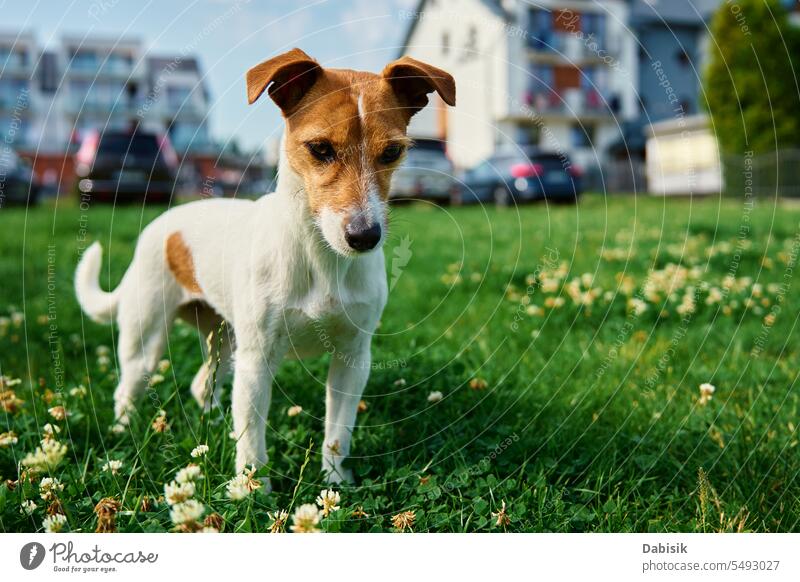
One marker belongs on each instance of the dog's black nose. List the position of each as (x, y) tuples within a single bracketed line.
[(360, 236)]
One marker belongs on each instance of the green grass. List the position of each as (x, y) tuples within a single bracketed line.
[(590, 418)]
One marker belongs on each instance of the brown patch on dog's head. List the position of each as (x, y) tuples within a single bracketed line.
[(346, 130), (180, 262)]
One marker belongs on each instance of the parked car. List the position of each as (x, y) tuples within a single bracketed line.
[(17, 182), (522, 175), (126, 166), (425, 173)]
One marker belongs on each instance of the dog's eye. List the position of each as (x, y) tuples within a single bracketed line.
[(391, 154), (322, 150)]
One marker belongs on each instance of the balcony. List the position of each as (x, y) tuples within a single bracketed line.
[(15, 64), (569, 103), (569, 47), (93, 69), (80, 105)]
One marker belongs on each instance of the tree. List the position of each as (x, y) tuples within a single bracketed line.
[(751, 81)]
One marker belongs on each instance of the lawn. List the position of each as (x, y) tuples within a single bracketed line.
[(546, 360)]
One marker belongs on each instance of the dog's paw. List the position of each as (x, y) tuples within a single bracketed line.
[(266, 486), (122, 411), (340, 475)]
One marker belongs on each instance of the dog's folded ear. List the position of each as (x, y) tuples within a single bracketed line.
[(287, 78), (412, 80)]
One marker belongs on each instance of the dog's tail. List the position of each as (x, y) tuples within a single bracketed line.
[(96, 303)]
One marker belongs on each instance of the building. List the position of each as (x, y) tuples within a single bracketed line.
[(581, 77), (49, 98)]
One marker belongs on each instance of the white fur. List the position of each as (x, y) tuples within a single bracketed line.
[(287, 286)]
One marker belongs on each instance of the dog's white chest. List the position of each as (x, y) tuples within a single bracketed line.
[(323, 322)]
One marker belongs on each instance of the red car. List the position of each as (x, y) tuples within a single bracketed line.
[(126, 166)]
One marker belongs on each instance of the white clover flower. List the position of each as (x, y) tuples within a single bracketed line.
[(78, 391), (209, 529), (27, 507), (294, 410), (306, 519), (17, 318), (637, 306), (199, 451), (58, 412), (190, 472), (242, 485), (118, 428), (329, 501), (113, 466), (706, 392), (435, 396), (8, 438), (278, 520), (175, 493), (47, 456), (50, 430), (163, 366), (102, 351), (54, 523), (188, 512), (156, 379), (49, 488), (237, 488)]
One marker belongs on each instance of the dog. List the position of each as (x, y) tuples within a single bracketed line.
[(283, 272)]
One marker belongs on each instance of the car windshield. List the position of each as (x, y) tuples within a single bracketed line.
[(429, 160), (551, 162), (116, 143)]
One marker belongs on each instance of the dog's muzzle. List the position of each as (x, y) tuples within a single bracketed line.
[(360, 235)]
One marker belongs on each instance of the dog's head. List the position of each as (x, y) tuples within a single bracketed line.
[(346, 134)]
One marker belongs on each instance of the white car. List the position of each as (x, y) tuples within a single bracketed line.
[(425, 174)]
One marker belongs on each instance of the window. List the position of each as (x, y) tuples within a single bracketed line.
[(540, 27), (471, 45), (594, 27), (528, 135), (582, 135)]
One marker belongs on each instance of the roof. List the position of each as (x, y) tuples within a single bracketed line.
[(493, 5), (158, 67)]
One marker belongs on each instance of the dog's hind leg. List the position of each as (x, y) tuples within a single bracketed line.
[(144, 321), (216, 339)]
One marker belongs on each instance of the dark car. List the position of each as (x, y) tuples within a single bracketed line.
[(126, 166), (425, 173), (523, 175), (17, 183)]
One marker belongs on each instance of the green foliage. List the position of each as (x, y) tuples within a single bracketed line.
[(589, 418), (751, 81)]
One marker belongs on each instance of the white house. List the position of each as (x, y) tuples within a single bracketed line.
[(558, 74)]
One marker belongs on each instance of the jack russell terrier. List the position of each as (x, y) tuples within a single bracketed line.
[(286, 270)]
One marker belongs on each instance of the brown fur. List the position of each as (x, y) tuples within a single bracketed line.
[(322, 105), (180, 262)]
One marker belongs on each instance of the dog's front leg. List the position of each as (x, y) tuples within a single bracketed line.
[(347, 378), (255, 367)]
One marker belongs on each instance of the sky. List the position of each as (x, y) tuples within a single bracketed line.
[(229, 37)]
